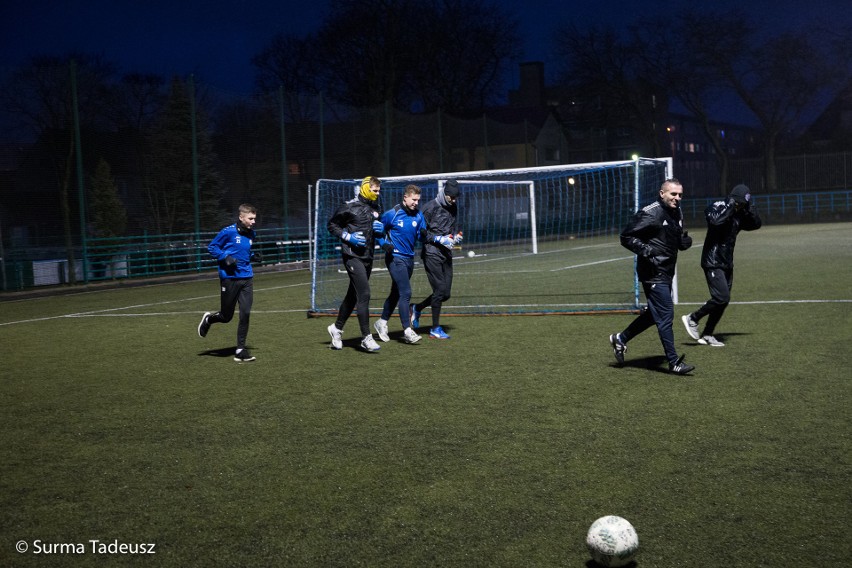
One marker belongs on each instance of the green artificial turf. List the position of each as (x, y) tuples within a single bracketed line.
[(498, 447)]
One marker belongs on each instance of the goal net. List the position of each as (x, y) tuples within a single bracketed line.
[(536, 240)]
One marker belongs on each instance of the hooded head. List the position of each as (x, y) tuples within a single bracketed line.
[(741, 194), (451, 189), (368, 192)]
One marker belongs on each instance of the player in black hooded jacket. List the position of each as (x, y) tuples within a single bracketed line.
[(725, 219), (655, 235), (437, 254), (356, 224)]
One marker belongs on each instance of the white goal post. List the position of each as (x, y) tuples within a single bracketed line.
[(536, 240)]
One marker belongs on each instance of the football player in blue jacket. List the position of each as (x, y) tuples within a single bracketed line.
[(404, 225), (232, 250)]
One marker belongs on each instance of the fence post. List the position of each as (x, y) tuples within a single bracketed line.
[(81, 195), (195, 170), (285, 213)]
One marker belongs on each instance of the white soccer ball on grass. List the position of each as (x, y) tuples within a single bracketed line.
[(612, 541), (471, 254)]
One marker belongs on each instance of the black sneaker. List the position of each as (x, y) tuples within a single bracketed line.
[(618, 348), (204, 326), (680, 368), (243, 356)]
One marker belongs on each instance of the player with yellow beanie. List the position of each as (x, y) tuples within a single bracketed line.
[(370, 188)]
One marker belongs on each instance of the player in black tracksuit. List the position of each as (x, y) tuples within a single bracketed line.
[(655, 235), (356, 223), (725, 219), (437, 254)]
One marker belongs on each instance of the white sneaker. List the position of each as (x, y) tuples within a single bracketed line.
[(711, 341), (691, 326), (369, 344), (336, 337), (410, 335), (382, 329)]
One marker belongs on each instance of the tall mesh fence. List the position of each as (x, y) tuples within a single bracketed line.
[(180, 158)]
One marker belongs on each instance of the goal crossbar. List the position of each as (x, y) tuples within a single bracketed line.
[(536, 240)]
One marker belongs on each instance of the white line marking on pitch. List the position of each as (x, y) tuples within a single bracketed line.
[(105, 312)]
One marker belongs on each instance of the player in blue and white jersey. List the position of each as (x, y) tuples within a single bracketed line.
[(404, 225), (231, 248)]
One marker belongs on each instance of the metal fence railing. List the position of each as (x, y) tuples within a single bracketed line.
[(781, 208), (146, 256), (139, 257)]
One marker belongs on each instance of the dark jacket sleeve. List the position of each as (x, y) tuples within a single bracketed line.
[(635, 234), (750, 220)]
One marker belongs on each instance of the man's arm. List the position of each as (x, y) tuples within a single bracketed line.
[(632, 237)]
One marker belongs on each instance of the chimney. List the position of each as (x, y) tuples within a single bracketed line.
[(530, 93)]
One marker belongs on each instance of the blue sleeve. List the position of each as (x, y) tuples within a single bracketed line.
[(216, 248), (423, 229)]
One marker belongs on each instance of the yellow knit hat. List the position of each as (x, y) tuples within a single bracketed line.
[(367, 189)]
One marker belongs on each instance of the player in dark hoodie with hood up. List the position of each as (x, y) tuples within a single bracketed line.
[(442, 235), (725, 219)]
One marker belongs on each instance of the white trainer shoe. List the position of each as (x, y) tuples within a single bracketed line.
[(410, 335), (711, 341), (369, 344), (691, 326), (381, 327), (336, 337)]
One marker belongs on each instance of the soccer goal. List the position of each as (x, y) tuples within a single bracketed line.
[(536, 240)]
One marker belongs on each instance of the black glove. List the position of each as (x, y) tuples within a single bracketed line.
[(731, 203), (229, 264), (685, 241), (388, 248), (257, 257)]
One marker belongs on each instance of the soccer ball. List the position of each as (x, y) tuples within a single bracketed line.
[(471, 254), (612, 541)]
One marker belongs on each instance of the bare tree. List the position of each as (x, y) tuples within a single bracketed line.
[(779, 78), (464, 49), (40, 95), (671, 55), (289, 67), (606, 68)]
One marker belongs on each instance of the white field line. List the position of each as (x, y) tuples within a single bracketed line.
[(756, 302), (619, 259), (106, 312), (103, 313)]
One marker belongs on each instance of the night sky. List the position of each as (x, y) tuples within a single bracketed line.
[(215, 40)]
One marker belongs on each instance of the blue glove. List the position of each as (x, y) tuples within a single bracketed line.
[(378, 227), (444, 241), (356, 239)]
